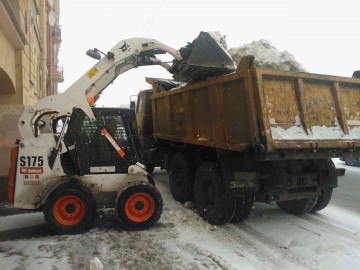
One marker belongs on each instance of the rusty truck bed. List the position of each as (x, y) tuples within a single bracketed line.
[(263, 110)]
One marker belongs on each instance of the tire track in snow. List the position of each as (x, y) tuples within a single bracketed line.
[(205, 257), (268, 247), (329, 227), (254, 252)]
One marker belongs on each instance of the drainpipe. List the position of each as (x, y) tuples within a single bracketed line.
[(43, 33)]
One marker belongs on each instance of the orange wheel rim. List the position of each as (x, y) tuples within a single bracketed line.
[(69, 210), (139, 207)]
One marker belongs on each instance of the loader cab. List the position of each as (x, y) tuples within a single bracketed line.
[(90, 152)]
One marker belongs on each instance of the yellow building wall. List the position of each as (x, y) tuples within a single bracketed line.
[(23, 67), (7, 59)]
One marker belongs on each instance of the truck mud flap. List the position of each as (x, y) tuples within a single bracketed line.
[(244, 183), (339, 172)]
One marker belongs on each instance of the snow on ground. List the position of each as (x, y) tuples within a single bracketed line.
[(270, 239), (266, 56)]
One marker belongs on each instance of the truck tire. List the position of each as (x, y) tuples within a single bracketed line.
[(352, 161), (139, 206), (297, 207), (211, 202), (322, 200), (181, 177), (244, 208), (70, 209)]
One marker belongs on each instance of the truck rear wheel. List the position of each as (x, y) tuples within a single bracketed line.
[(297, 207), (352, 161), (181, 177), (322, 200), (70, 209), (139, 206), (211, 202), (243, 209)]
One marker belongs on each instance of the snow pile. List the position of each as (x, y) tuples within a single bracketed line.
[(95, 264), (266, 56), (220, 38)]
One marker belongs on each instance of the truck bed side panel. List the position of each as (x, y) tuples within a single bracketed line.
[(213, 113), (301, 110)]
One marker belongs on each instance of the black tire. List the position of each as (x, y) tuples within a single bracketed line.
[(297, 207), (322, 200), (70, 209), (139, 206), (352, 161), (181, 177), (211, 202), (244, 208), (326, 193)]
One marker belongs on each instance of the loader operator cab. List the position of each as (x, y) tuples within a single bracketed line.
[(89, 152)]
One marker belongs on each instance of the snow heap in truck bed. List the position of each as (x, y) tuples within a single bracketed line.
[(266, 56)]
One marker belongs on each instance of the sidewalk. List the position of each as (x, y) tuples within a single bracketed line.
[(3, 189)]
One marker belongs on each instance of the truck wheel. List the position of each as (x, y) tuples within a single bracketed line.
[(181, 177), (297, 207), (70, 209), (139, 206), (211, 202), (243, 209), (322, 200), (352, 161)]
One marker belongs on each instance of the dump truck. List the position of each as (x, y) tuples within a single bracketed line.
[(253, 135)]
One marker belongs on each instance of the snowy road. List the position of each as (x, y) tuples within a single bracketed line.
[(270, 239)]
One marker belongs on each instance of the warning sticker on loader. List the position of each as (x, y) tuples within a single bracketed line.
[(31, 175), (92, 72), (31, 180)]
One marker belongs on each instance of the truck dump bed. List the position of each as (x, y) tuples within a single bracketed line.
[(263, 111)]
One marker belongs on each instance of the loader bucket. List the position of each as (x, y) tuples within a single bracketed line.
[(203, 58)]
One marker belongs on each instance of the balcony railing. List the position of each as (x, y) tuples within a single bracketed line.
[(58, 74), (56, 34)]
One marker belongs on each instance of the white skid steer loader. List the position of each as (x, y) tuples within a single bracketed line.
[(86, 157)]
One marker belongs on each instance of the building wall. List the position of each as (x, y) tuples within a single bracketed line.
[(20, 66)]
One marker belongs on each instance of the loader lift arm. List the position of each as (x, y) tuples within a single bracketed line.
[(125, 55)]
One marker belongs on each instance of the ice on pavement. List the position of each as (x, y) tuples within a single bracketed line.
[(270, 239), (266, 56)]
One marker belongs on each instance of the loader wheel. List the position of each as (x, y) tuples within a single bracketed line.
[(70, 209), (322, 200), (211, 202), (139, 206), (297, 207), (243, 209), (181, 177)]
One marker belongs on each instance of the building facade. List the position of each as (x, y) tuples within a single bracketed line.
[(30, 38)]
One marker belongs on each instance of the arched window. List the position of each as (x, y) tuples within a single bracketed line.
[(6, 84)]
